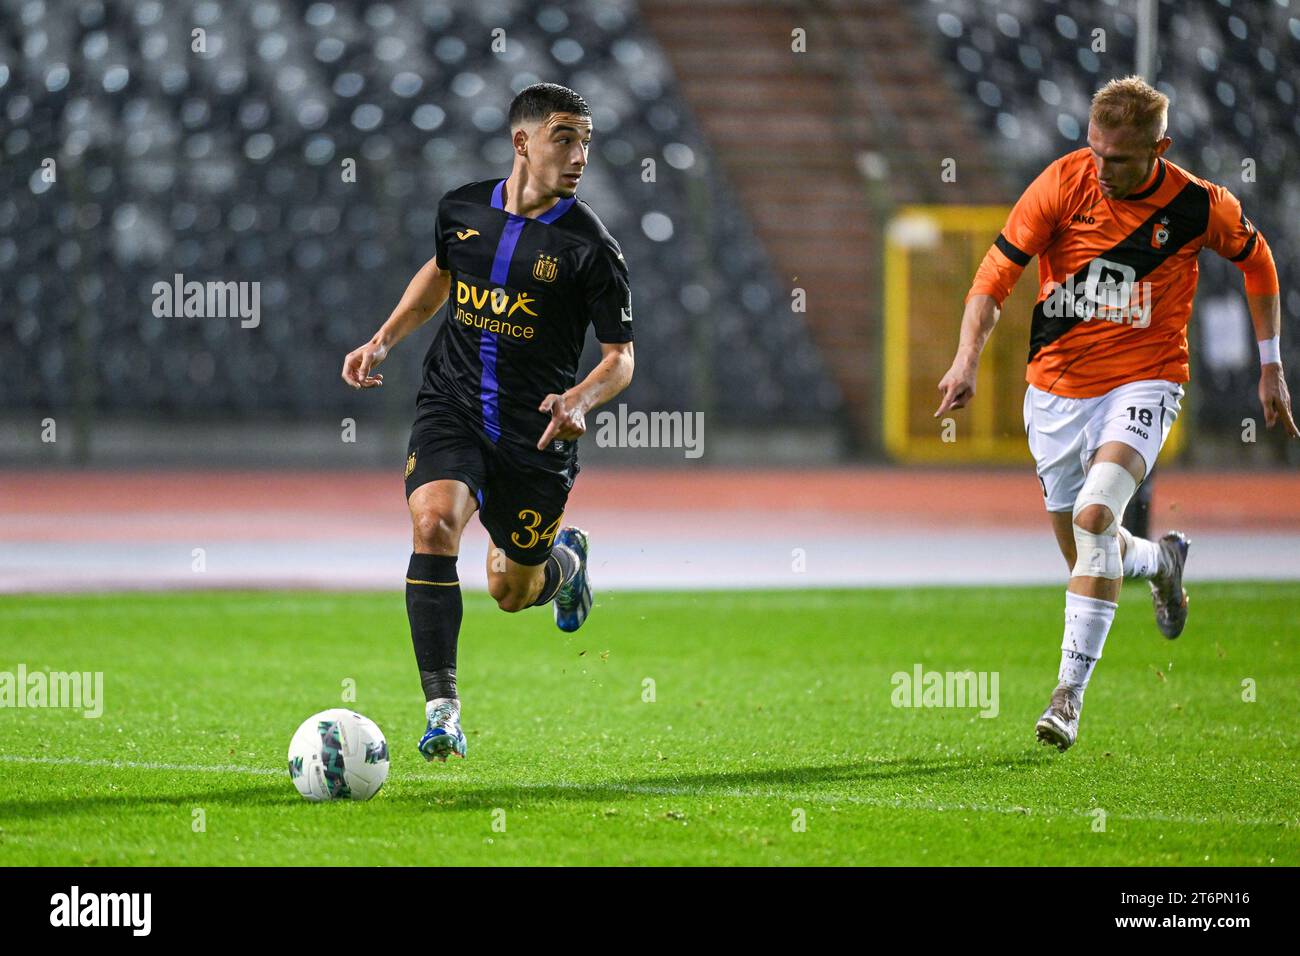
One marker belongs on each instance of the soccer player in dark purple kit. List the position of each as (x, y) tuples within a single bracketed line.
[(523, 268)]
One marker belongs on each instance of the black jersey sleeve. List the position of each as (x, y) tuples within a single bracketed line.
[(607, 295), (439, 241)]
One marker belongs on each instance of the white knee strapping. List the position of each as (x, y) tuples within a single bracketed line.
[(1098, 555)]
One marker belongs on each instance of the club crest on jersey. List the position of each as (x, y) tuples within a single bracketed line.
[(546, 267), (1161, 233), (410, 465)]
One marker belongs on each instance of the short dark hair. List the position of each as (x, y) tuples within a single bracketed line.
[(540, 100)]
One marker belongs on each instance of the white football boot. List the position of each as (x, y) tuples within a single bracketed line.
[(443, 736), (1059, 725)]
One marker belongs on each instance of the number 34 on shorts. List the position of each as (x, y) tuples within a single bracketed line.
[(532, 532)]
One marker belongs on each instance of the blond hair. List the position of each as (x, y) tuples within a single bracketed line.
[(1131, 103)]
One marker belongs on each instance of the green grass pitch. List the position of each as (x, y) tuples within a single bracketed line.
[(771, 738)]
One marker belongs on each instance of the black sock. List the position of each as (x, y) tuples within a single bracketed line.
[(561, 566), (434, 608)]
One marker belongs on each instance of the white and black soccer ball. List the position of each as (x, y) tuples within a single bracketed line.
[(337, 755)]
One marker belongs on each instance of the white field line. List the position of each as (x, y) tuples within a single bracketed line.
[(140, 765), (732, 792)]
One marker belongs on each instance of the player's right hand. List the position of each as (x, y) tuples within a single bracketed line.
[(361, 362), (957, 387)]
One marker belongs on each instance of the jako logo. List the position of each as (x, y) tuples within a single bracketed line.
[(103, 909), (923, 688)]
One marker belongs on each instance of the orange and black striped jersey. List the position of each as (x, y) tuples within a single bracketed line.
[(1116, 276)]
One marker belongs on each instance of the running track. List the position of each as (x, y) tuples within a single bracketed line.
[(62, 531)]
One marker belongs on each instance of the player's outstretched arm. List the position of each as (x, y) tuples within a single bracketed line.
[(1266, 316), (424, 296), (957, 387), (611, 375), (1233, 236)]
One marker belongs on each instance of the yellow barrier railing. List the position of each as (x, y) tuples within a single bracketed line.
[(931, 254)]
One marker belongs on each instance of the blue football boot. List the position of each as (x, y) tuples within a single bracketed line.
[(573, 600), (443, 736)]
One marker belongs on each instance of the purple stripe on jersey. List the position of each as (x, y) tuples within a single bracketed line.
[(489, 384), (548, 217), (558, 210), (506, 249)]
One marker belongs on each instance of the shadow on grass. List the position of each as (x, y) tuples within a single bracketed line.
[(122, 802), (443, 793), (775, 782)]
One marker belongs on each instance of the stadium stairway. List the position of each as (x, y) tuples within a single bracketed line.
[(820, 145)]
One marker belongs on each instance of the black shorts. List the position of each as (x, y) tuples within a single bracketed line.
[(519, 505)]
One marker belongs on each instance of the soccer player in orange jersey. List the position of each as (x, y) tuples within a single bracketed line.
[(1116, 228)]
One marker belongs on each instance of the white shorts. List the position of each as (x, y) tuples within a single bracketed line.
[(1064, 433)]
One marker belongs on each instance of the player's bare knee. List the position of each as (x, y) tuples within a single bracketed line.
[(435, 532), (504, 592), (512, 600), (1095, 519)]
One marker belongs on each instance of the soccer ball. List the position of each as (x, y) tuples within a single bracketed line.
[(338, 754)]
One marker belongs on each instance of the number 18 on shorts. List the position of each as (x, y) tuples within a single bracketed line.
[(1064, 433)]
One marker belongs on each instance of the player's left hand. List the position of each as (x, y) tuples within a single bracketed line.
[(567, 420), (1275, 398)]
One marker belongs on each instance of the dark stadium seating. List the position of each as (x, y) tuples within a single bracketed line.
[(227, 166), (1230, 70)]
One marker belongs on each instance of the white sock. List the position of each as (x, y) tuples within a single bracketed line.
[(1087, 621), (1141, 557)]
